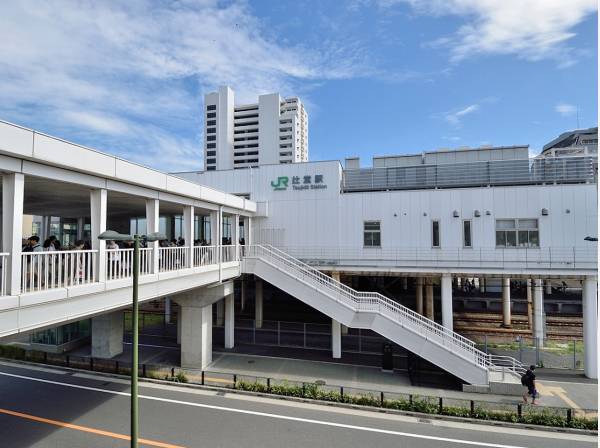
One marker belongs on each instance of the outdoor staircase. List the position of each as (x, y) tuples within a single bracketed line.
[(369, 310)]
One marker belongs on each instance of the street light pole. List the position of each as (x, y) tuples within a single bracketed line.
[(134, 343), (115, 236)]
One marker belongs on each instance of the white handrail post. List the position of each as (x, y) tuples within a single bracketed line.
[(153, 225), (188, 235), (98, 206), (13, 186)]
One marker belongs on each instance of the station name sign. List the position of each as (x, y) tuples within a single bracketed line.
[(299, 183)]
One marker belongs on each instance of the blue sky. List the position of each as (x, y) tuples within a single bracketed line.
[(377, 76)]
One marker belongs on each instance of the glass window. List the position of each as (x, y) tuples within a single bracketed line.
[(211, 122), (211, 138), (211, 130), (211, 115), (372, 233), (211, 153), (517, 233), (211, 145), (211, 107), (435, 234), (467, 233)]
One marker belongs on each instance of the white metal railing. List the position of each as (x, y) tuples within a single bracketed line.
[(502, 363), (4, 258), (574, 257), (173, 258), (373, 302), (119, 263), (228, 254), (205, 255), (41, 271)]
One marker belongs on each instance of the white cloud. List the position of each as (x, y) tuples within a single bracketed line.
[(455, 117), (565, 110), (532, 29), (129, 76)]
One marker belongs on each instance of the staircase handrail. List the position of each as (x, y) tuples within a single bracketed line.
[(378, 302)]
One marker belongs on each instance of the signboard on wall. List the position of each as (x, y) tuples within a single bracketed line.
[(299, 183)]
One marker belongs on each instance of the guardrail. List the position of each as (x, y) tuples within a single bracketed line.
[(173, 258), (205, 255), (119, 263), (584, 257), (375, 302), (41, 271), (568, 169)]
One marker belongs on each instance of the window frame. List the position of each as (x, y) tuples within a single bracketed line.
[(470, 245), (516, 231), (371, 233), (439, 234)]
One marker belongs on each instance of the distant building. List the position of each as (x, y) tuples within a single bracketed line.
[(272, 131), (578, 142)]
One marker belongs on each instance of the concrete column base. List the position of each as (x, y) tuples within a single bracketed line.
[(196, 336), (107, 335)]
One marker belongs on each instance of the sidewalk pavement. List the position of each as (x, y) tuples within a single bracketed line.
[(552, 393)]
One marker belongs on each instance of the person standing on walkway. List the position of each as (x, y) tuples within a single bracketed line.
[(528, 380)]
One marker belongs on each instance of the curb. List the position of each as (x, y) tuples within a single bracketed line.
[(419, 415)]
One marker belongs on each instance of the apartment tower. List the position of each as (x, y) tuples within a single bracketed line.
[(272, 131)]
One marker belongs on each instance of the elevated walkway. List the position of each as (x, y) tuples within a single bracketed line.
[(427, 339)]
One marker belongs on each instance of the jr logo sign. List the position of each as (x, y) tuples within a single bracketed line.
[(282, 183)]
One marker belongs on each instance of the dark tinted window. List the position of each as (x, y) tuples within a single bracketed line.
[(211, 122), (211, 138), (211, 115), (211, 153), (211, 145), (211, 107)]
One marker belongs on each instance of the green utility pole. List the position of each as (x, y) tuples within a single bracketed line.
[(134, 343), (115, 236)]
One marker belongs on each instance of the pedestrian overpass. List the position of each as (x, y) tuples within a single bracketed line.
[(47, 177)]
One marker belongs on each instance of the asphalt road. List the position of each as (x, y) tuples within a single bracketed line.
[(42, 407)]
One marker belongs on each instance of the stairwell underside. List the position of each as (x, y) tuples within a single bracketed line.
[(446, 358)]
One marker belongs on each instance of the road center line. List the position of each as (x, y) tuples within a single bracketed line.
[(265, 414), (99, 432)]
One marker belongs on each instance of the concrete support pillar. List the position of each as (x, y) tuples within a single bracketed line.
[(167, 310), (188, 234), (404, 283), (419, 294), (13, 187), (258, 303), (229, 321), (220, 313), (107, 335), (446, 289), (506, 317), (336, 276), (528, 287), (548, 287), (179, 327), (482, 285), (429, 311), (538, 312), (248, 230), (336, 339), (196, 336), (153, 225), (590, 326), (98, 206), (344, 329)]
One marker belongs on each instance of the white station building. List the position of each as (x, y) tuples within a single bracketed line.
[(489, 213)]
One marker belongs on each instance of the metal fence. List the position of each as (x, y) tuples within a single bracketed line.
[(494, 410), (549, 353), (572, 169), (554, 354)]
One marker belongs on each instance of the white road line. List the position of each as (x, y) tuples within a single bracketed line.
[(265, 414)]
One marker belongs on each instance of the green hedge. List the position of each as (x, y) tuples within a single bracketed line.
[(423, 405)]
